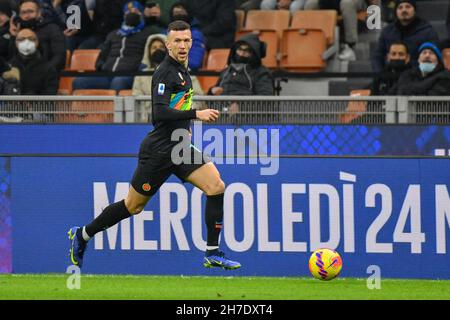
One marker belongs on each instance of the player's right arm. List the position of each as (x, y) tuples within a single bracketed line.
[(161, 95)]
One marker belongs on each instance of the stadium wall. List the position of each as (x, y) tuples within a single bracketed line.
[(389, 212)]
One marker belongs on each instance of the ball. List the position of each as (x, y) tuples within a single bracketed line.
[(325, 264)]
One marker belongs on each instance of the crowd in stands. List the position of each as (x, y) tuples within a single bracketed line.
[(37, 36)]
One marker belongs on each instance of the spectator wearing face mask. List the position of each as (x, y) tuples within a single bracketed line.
[(409, 28), (37, 76), (429, 78), (154, 54), (245, 75), (51, 39), (152, 15), (397, 61), (122, 51), (179, 11)]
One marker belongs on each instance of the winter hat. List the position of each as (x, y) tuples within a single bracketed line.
[(411, 2), (431, 46), (5, 8)]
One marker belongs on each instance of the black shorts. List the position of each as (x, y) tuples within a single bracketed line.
[(152, 171)]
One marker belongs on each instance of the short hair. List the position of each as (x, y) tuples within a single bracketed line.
[(399, 43), (178, 25), (33, 1)]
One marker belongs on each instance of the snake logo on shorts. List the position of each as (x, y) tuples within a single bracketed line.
[(146, 187)]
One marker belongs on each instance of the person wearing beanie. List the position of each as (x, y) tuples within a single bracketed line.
[(429, 77), (407, 27)]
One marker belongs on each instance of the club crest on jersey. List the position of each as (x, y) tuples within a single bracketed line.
[(146, 187), (161, 88)]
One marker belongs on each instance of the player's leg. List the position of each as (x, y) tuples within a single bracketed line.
[(207, 178), (134, 203)]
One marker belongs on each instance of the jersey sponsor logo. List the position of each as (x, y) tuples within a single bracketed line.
[(161, 88), (146, 187)]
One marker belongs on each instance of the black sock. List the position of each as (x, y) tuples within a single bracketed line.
[(213, 219), (111, 215)]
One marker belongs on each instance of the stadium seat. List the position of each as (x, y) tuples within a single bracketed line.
[(301, 50), (270, 37), (84, 60), (125, 93), (65, 83), (325, 20), (216, 61), (446, 56), (277, 20), (240, 19), (68, 57), (355, 109), (90, 111)]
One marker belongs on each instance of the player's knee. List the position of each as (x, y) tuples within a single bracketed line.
[(215, 187), (134, 208)]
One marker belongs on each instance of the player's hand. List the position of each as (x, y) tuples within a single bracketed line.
[(217, 91), (208, 115)]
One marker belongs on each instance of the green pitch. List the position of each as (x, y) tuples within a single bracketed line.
[(53, 286)]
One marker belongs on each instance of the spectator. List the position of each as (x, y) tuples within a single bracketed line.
[(105, 19), (448, 22), (292, 5), (119, 55), (51, 38), (408, 28), (397, 62), (152, 15), (217, 21), (5, 36), (180, 12), (164, 6), (154, 54), (74, 37), (429, 78), (37, 76), (349, 10), (245, 75)]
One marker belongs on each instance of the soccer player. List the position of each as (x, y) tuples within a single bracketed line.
[(171, 111)]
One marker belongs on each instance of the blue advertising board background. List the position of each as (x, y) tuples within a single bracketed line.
[(51, 194), (342, 140)]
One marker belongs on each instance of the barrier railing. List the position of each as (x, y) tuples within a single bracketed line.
[(236, 110)]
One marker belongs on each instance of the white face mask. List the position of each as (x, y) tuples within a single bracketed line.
[(26, 47)]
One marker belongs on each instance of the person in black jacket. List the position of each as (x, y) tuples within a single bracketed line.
[(217, 21), (409, 28), (37, 76), (51, 39), (5, 36), (245, 75), (122, 51), (428, 79), (397, 62)]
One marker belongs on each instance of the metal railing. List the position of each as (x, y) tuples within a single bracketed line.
[(236, 110)]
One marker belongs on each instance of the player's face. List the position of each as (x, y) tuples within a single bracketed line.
[(179, 43)]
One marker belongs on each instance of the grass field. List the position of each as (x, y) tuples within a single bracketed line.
[(53, 286)]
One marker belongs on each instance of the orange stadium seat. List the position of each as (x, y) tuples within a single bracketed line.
[(80, 60), (355, 109), (240, 19), (125, 93), (277, 20), (90, 111), (446, 57), (84, 60), (325, 20), (68, 57), (301, 50), (216, 61)]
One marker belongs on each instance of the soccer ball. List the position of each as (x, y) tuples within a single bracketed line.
[(325, 264)]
